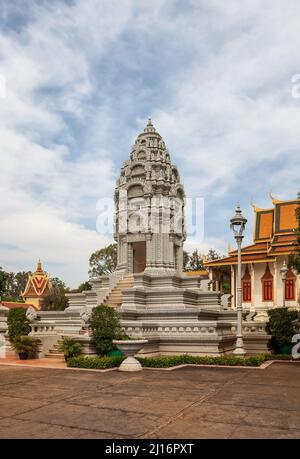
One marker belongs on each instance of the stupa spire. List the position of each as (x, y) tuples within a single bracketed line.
[(39, 268), (150, 127)]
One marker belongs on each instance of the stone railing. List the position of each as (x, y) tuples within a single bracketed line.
[(43, 328)]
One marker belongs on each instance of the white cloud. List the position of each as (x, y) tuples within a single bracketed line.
[(80, 76)]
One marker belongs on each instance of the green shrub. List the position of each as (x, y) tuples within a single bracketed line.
[(105, 326), (281, 327), (98, 363), (170, 361), (26, 345), (17, 323), (165, 362), (174, 360), (70, 347), (278, 357)]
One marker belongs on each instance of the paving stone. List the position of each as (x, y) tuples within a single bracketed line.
[(10, 406), (185, 428), (144, 404), (186, 403), (94, 419), (251, 432), (15, 428)]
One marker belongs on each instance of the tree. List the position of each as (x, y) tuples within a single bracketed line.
[(196, 261), (213, 255), (105, 326), (13, 284), (294, 260), (103, 261), (19, 283), (84, 286), (186, 260), (3, 281), (17, 323), (56, 299)]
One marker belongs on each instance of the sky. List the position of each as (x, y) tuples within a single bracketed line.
[(78, 80)]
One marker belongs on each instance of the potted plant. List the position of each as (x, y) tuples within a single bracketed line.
[(25, 346), (130, 347), (70, 347)]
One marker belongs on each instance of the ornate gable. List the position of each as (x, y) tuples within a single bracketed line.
[(38, 285)]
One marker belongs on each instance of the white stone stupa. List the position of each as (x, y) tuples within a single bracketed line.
[(155, 299)]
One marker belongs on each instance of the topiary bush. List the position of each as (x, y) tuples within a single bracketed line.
[(105, 325), (17, 323), (281, 327)]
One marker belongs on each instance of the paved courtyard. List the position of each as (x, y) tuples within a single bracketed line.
[(186, 403)]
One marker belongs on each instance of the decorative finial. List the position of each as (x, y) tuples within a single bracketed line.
[(271, 195), (149, 121), (39, 268), (274, 200)]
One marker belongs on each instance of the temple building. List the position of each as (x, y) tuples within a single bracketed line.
[(274, 240), (37, 288)]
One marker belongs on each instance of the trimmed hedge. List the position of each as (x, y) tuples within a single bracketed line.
[(171, 361), (98, 363)]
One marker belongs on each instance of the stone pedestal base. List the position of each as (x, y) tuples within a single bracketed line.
[(130, 364)]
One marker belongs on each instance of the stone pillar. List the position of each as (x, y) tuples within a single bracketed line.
[(148, 250), (179, 259), (252, 273)]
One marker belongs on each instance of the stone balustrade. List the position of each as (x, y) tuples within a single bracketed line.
[(43, 328)]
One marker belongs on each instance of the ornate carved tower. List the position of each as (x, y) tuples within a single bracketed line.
[(149, 209)]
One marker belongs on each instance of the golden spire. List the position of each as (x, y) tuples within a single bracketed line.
[(39, 269), (229, 248)]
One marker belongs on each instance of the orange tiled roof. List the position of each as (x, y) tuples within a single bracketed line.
[(275, 234), (38, 284), (201, 272), (15, 304)]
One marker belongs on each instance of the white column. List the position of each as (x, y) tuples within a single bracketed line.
[(252, 272)]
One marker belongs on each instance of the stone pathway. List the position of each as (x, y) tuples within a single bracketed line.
[(43, 363), (189, 402)]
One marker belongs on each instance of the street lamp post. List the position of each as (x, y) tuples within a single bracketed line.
[(283, 272), (237, 224)]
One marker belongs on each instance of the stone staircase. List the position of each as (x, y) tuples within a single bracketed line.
[(115, 297), (55, 353)]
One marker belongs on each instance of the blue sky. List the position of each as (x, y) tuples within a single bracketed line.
[(83, 76)]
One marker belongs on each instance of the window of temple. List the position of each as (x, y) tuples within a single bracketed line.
[(290, 285), (267, 285), (268, 290), (246, 286)]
